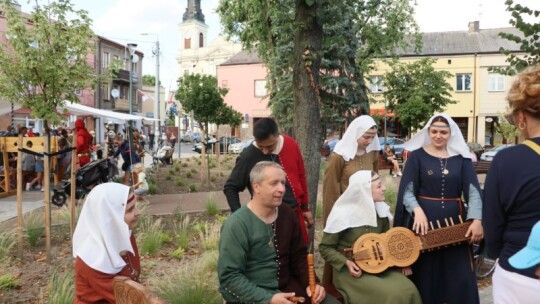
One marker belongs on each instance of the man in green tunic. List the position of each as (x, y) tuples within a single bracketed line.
[(262, 256)]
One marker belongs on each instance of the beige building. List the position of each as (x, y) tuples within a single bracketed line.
[(467, 55)]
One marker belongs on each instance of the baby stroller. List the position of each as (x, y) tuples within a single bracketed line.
[(91, 174), (164, 154)]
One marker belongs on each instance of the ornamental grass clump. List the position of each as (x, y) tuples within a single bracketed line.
[(35, 227), (8, 281), (211, 205), (188, 285), (210, 237), (150, 237), (7, 241), (390, 195), (65, 212), (182, 231), (61, 289)]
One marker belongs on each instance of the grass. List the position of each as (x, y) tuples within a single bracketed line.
[(188, 285), (61, 288), (8, 281), (319, 211), (211, 205), (35, 227), (193, 187), (7, 241), (65, 212), (390, 195), (150, 237), (210, 237), (180, 182)]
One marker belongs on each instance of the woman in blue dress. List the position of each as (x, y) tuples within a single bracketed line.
[(438, 174)]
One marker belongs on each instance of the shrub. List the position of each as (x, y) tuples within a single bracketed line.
[(193, 170), (151, 237), (172, 172), (221, 174), (229, 167), (182, 231), (213, 179), (178, 253), (390, 195), (180, 182), (8, 281), (210, 237), (7, 241), (168, 177), (65, 212), (184, 165), (189, 175), (152, 188), (177, 168), (35, 227), (192, 187), (61, 288)]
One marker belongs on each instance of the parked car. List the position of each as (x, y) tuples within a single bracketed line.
[(186, 138), (224, 143), (237, 148), (476, 148), (397, 144), (489, 155), (196, 137)]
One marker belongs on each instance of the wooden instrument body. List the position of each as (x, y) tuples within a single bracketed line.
[(399, 246)]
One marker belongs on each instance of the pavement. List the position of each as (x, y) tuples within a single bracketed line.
[(158, 205)]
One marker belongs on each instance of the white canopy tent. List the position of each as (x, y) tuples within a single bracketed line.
[(115, 117)]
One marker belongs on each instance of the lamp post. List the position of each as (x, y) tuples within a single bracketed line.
[(157, 109), (131, 47)]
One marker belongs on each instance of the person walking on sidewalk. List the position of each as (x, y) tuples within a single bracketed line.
[(269, 145)]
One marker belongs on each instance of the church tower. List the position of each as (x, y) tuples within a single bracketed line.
[(193, 30)]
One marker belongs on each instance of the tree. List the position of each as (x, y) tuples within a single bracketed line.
[(299, 39), (149, 80), (44, 62), (416, 91), (506, 129), (200, 94), (529, 41)]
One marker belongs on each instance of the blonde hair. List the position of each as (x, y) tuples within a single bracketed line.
[(138, 166), (524, 95)]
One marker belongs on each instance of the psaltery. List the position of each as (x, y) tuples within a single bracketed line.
[(399, 246)]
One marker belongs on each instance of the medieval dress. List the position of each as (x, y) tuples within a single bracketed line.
[(438, 185)]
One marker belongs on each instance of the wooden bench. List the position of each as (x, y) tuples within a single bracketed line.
[(127, 291), (481, 166)]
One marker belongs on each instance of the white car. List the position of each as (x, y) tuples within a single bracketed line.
[(488, 156), (237, 148)]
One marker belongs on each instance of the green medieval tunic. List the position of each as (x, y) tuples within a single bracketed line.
[(390, 286), (253, 265)]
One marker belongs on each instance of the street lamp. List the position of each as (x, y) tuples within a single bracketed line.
[(131, 47)]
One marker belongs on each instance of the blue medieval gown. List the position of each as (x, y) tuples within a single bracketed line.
[(445, 275)]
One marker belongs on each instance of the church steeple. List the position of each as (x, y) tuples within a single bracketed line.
[(193, 11)]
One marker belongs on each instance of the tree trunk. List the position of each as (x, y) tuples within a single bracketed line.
[(307, 44)]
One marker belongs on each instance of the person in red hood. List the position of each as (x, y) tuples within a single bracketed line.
[(84, 140)]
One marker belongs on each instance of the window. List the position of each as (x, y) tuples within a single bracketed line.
[(260, 88), (496, 82), (78, 92), (105, 59), (463, 82), (376, 84)]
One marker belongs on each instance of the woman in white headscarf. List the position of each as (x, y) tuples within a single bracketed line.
[(438, 174), (103, 243), (357, 150), (359, 210)]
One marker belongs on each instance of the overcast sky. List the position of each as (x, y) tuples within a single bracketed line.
[(124, 20)]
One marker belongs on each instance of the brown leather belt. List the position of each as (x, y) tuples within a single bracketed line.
[(83, 154)]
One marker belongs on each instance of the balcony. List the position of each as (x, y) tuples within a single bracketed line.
[(122, 76), (122, 105)]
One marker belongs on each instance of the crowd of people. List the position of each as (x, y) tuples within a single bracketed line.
[(264, 243)]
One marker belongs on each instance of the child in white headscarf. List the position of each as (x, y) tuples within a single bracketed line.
[(103, 243), (357, 150), (359, 210)]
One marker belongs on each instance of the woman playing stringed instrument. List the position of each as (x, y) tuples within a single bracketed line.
[(438, 174), (360, 210)]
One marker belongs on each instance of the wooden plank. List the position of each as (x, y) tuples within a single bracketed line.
[(11, 144)]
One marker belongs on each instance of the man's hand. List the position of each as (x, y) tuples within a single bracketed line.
[(320, 294), (281, 298), (308, 217), (406, 271), (475, 231)]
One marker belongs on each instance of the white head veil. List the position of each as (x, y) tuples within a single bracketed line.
[(456, 144), (101, 232), (355, 207), (348, 145)]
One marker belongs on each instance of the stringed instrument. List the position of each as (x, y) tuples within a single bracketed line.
[(401, 247)]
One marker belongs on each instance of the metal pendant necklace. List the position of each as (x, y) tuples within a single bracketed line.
[(272, 231), (443, 169)]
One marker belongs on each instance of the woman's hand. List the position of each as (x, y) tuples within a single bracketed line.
[(406, 271), (420, 225), (354, 270), (475, 231)]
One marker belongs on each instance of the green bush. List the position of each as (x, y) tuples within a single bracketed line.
[(178, 253), (182, 231), (152, 188), (193, 170), (211, 205), (189, 175), (184, 165), (213, 179), (390, 195), (180, 182), (193, 188), (172, 172), (168, 177), (61, 288)]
